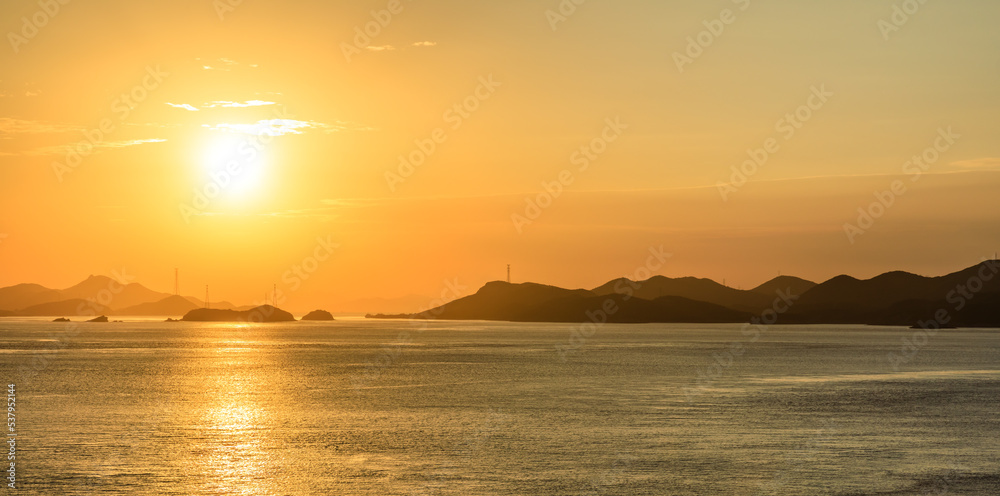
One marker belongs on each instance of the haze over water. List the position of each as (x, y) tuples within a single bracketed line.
[(353, 407)]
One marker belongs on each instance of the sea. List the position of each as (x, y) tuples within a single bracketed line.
[(397, 407)]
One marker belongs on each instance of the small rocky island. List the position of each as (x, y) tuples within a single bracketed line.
[(318, 315), (99, 319), (264, 313)]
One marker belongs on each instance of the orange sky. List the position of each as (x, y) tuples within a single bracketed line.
[(843, 94)]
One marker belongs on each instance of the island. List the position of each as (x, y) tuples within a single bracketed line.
[(264, 313), (98, 319), (318, 315), (61, 319)]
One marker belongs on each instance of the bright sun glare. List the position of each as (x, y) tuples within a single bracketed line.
[(235, 165)]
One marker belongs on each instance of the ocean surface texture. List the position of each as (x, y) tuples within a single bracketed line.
[(359, 407)]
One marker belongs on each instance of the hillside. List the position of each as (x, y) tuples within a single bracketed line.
[(131, 299), (25, 295), (794, 285), (891, 298), (170, 306), (500, 301), (264, 313), (64, 308), (692, 288), (622, 309), (894, 298)]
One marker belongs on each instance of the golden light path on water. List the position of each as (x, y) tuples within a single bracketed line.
[(236, 423)]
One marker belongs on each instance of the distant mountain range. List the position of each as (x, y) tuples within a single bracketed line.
[(97, 295), (968, 298)]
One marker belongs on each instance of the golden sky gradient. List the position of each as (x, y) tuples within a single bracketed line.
[(315, 118)]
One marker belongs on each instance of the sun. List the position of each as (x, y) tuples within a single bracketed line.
[(234, 164)]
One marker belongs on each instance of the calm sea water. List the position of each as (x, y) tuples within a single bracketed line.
[(360, 407)]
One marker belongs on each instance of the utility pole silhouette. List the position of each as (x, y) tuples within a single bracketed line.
[(207, 305), (508, 273)]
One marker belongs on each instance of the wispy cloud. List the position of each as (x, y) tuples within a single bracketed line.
[(222, 104), (425, 44), (272, 127), (978, 163), (28, 94), (279, 127), (184, 106), (9, 126), (222, 64), (63, 149), (251, 103), (380, 48)]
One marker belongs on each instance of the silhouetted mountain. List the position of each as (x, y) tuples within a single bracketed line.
[(76, 307), (691, 288), (318, 315), (897, 298), (116, 295), (983, 310), (531, 302), (98, 288), (617, 308), (501, 301), (26, 295), (171, 305), (264, 313), (796, 285), (969, 298)]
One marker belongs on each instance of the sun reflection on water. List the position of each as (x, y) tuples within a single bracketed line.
[(234, 453)]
